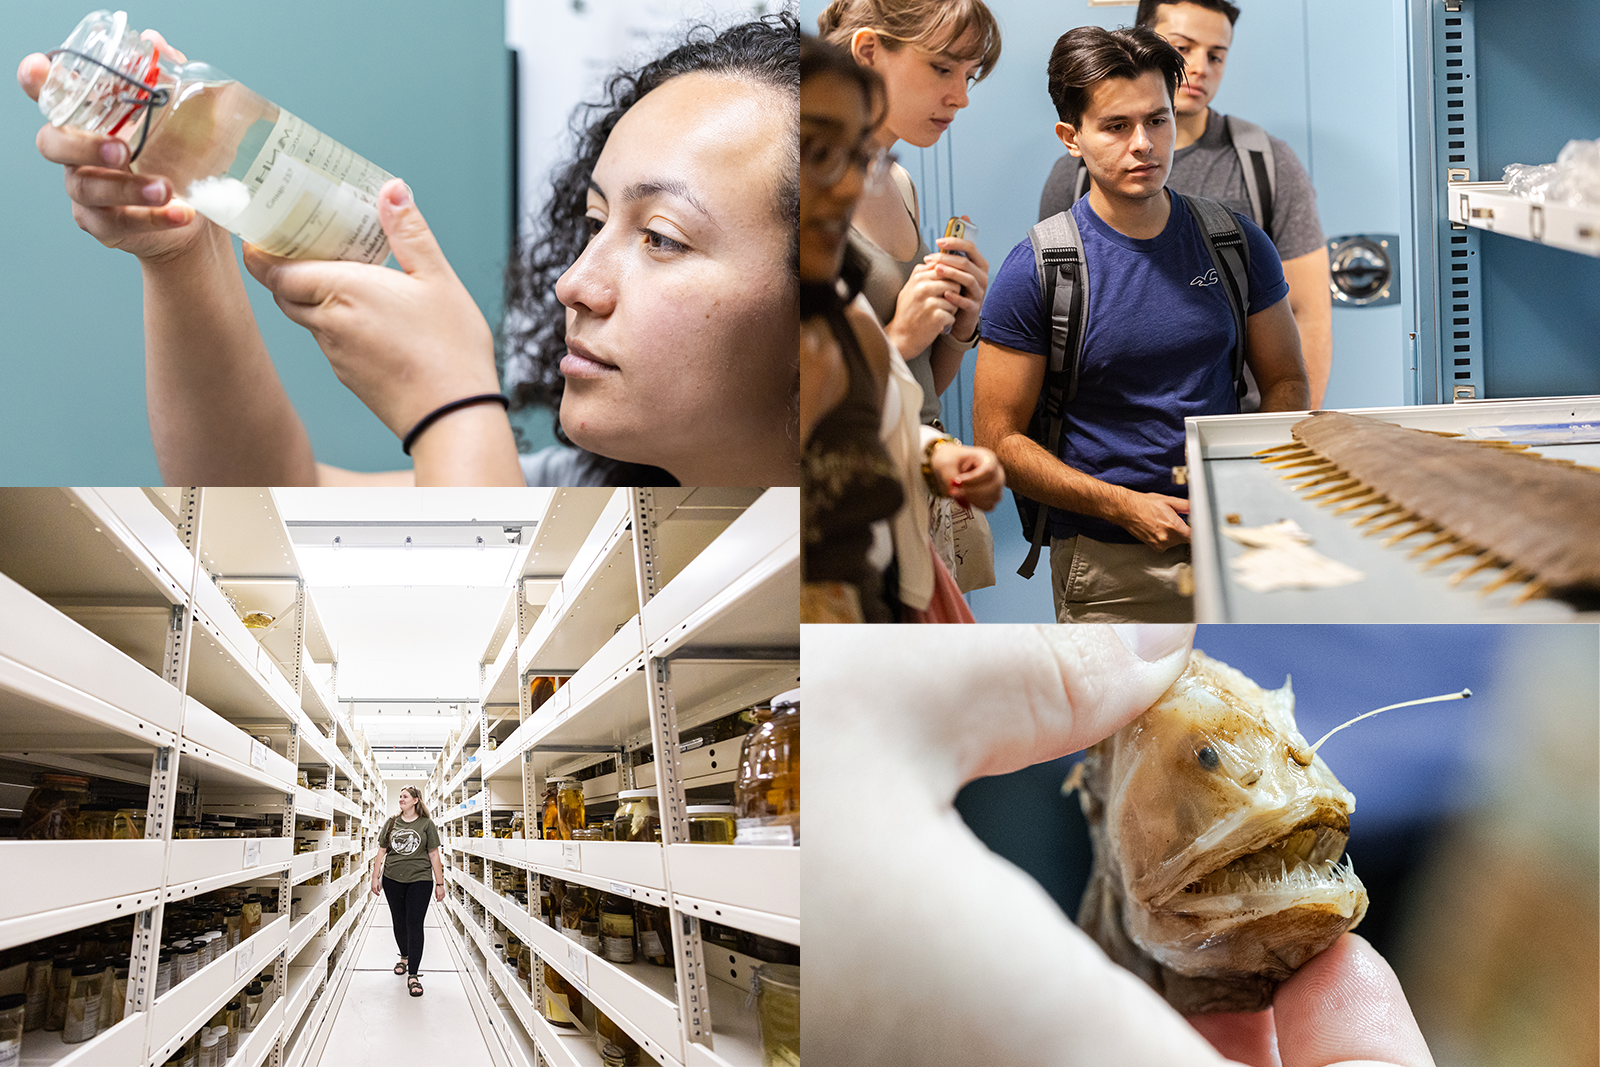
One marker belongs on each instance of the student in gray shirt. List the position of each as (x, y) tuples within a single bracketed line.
[(1236, 162)]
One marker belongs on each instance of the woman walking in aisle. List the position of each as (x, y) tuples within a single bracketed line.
[(408, 846)]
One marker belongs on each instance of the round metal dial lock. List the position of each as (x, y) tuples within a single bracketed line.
[(1362, 270)]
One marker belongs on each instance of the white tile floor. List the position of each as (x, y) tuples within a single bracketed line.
[(378, 1024)]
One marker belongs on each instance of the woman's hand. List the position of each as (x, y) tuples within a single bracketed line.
[(971, 272), (377, 883), (971, 476), (405, 341), (118, 208), (438, 892), (925, 307)]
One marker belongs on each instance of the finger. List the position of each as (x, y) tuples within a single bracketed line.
[(113, 225), (99, 187), (32, 72), (1247, 1037), (965, 303), (78, 149), (952, 245), (305, 282), (1180, 505), (412, 243), (1346, 1004), (161, 43), (955, 274)]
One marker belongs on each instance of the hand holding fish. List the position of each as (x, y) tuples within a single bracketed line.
[(924, 947)]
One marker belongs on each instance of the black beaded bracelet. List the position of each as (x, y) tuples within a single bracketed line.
[(444, 409)]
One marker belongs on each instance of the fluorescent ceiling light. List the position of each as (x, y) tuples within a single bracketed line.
[(325, 566)]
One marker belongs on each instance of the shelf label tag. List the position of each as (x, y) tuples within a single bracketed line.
[(241, 963), (258, 755), (500, 846), (578, 962), (252, 852), (622, 890), (569, 855)]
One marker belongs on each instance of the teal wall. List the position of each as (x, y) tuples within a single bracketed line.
[(421, 89)]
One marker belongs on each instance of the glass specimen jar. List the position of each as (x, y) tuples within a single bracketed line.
[(767, 790), (638, 816), (94, 821), (778, 1014), (51, 811), (128, 824), (36, 987), (655, 933), (239, 159), (711, 824), (616, 928), (609, 1036), (60, 987), (83, 1002), (563, 1004), (13, 1010)]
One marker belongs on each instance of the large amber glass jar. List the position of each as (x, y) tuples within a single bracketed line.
[(563, 808), (51, 811), (767, 790), (638, 816), (563, 1004)]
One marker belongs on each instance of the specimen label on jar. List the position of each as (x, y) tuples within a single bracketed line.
[(312, 198)]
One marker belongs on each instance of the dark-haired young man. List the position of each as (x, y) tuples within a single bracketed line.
[(1158, 345), (1238, 164)]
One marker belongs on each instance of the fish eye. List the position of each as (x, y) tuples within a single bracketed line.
[(1208, 758)]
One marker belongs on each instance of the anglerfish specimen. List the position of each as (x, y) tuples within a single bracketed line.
[(1218, 834)]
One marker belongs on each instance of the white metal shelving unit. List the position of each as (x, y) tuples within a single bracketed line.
[(665, 609), (121, 658), (1493, 206)]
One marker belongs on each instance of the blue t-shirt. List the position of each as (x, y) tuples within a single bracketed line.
[(1159, 348)]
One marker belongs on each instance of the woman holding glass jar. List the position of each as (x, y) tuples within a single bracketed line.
[(407, 867)]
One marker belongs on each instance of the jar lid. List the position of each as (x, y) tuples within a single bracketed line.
[(711, 809), (779, 974), (634, 794), (188, 948), (86, 967), (40, 954), (792, 697), (12, 1001), (561, 780), (208, 1037), (72, 780), (253, 989), (233, 1005)]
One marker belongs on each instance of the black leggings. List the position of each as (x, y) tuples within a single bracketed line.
[(408, 905)]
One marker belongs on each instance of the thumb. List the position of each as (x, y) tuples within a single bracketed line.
[(412, 243)]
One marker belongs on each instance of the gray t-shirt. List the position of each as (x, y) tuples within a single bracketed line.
[(1210, 167)]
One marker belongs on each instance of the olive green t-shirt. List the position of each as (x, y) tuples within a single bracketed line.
[(408, 845)]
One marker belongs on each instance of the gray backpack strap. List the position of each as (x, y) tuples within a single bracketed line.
[(1260, 168), (1230, 254), (1064, 294)]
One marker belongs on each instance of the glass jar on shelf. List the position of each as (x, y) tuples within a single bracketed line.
[(60, 986), (83, 1002), (563, 1004), (613, 1042), (36, 987), (778, 1014), (51, 811), (638, 816), (13, 1012), (654, 928), (767, 789), (94, 820), (128, 824), (616, 928), (563, 809), (712, 824)]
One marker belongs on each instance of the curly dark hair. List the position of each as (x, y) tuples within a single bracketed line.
[(533, 336)]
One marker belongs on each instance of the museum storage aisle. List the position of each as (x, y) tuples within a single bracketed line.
[(378, 1024), (211, 699)]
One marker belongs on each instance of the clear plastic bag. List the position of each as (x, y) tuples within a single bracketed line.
[(1573, 179)]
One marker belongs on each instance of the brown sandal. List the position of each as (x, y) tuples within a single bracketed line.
[(400, 968), (414, 986)]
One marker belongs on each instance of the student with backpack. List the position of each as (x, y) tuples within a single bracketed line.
[(1113, 323), (1224, 158)]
